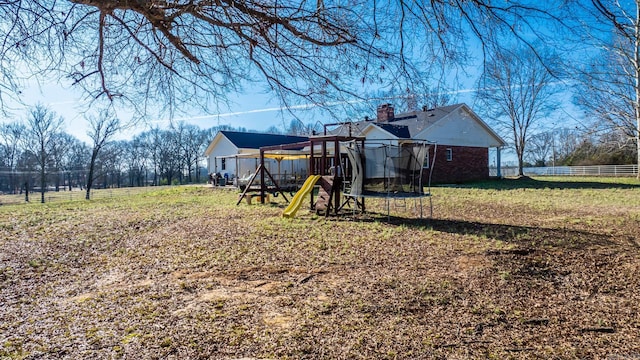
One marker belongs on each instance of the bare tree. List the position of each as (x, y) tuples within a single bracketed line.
[(163, 152), (43, 126), (102, 129), (62, 146), (173, 52), (192, 143), (151, 142), (297, 127), (135, 158), (112, 163), (11, 140), (517, 89), (273, 130), (170, 160), (609, 85), (566, 141), (75, 162), (541, 148), (199, 145), (433, 98)]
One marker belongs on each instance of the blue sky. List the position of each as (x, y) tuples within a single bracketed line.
[(253, 111)]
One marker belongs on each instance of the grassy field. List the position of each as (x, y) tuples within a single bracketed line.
[(76, 194), (542, 268)]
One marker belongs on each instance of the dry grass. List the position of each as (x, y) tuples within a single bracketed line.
[(517, 270), (76, 194)]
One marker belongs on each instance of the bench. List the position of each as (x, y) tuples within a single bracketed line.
[(249, 197)]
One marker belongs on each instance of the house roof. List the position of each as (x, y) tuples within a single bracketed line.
[(247, 140), (405, 125), (411, 124), (417, 121), (400, 131)]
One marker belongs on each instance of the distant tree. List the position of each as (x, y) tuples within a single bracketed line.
[(433, 97), (12, 137), (614, 150), (517, 90), (191, 142), (179, 137), (151, 141), (602, 150), (111, 163), (169, 156), (566, 141), (609, 85), (76, 161), (62, 146), (540, 149), (27, 168), (102, 129), (273, 130), (43, 126), (201, 141), (297, 127), (163, 153), (136, 162)]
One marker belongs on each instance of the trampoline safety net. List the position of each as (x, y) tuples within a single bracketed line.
[(381, 169)]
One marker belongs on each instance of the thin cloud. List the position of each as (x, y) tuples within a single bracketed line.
[(310, 106), (255, 111)]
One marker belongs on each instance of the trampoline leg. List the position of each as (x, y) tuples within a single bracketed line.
[(388, 204)]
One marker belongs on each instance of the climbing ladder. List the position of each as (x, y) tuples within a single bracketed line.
[(325, 202)]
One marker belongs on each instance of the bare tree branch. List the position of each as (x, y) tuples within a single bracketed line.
[(195, 52)]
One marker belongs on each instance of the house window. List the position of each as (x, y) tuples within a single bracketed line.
[(449, 154), (223, 164), (426, 164)]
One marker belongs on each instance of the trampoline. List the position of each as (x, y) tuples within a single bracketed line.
[(391, 170)]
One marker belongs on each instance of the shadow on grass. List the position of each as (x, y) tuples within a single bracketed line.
[(522, 236), (547, 183)]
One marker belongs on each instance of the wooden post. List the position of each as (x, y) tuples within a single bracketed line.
[(364, 172), (337, 176), (323, 159), (312, 171)]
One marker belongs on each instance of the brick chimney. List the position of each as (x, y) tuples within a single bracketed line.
[(385, 113)]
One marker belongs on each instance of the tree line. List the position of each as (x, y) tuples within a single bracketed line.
[(38, 155), (576, 147)]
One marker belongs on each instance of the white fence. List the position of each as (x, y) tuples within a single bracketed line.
[(594, 170)]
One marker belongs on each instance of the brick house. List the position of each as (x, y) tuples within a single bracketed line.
[(463, 139)]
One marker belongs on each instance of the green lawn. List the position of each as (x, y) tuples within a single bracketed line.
[(536, 268)]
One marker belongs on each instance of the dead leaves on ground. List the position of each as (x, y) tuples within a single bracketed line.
[(187, 274)]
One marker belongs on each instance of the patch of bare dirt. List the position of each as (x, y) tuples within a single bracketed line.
[(468, 284)]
